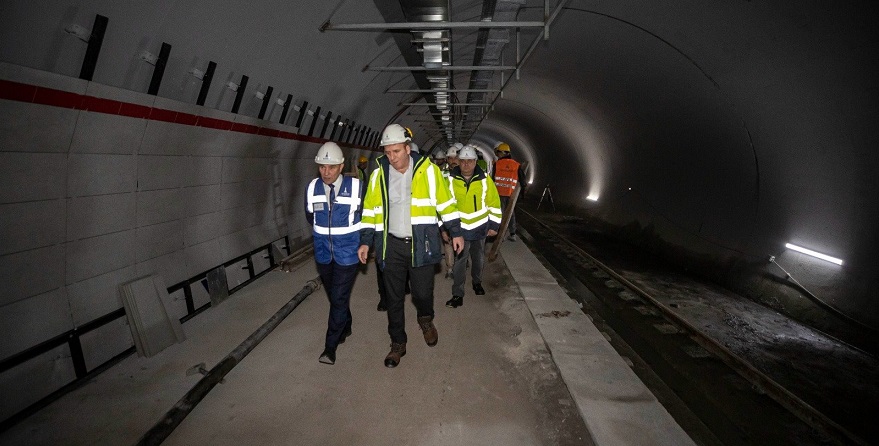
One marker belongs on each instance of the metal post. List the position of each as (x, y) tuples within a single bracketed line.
[(265, 102), (94, 48), (206, 83), (159, 71), (240, 94)]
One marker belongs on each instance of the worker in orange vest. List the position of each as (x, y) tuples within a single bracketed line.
[(507, 173)]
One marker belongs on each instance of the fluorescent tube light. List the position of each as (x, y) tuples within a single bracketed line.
[(813, 253)]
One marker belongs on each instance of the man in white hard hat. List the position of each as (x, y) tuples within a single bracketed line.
[(405, 200), (439, 158), (480, 208), (333, 208), (452, 154)]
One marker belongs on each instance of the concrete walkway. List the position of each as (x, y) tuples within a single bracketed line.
[(490, 380)]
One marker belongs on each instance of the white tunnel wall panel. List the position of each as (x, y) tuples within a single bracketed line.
[(29, 225), (40, 376), (21, 330), (100, 133), (100, 214), (44, 173), (102, 344), (94, 297), (131, 197), (159, 239), (100, 174), (25, 274), (35, 129)]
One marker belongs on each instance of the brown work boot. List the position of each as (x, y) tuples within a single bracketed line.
[(430, 334), (397, 352)]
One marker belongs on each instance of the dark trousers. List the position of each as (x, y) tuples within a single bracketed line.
[(511, 227), (475, 251), (338, 280), (398, 265)]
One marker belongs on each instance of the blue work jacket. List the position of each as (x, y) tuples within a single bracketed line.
[(336, 225)]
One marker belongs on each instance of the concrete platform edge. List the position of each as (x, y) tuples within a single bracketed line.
[(616, 406)]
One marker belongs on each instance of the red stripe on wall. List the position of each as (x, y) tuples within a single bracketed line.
[(16, 91)]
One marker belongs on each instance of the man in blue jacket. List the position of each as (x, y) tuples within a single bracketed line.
[(333, 207)]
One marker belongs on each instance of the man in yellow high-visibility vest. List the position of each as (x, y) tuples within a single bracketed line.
[(406, 198)]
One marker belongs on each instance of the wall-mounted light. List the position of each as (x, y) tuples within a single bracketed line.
[(78, 32), (279, 101), (148, 57), (815, 254), (592, 197), (232, 86), (197, 73), (259, 95)]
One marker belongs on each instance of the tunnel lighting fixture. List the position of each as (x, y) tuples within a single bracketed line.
[(279, 101), (198, 74), (259, 95), (232, 86), (592, 197), (815, 254)]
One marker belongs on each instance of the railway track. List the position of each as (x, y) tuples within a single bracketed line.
[(737, 402)]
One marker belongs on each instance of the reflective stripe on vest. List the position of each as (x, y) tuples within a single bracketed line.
[(506, 176)]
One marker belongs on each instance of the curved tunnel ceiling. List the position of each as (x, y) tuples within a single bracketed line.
[(743, 125), (746, 124)]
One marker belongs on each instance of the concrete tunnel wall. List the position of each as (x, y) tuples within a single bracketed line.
[(738, 126), (103, 183)]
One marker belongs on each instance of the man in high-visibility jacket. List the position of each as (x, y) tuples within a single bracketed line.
[(405, 200), (480, 209), (507, 174), (332, 206)]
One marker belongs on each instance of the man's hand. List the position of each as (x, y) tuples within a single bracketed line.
[(458, 244), (363, 253), (492, 233)]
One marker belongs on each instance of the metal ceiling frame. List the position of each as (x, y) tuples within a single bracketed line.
[(431, 26)]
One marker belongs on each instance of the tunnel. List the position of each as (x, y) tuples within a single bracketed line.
[(731, 141)]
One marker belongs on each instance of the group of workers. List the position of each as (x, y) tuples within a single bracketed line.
[(410, 212)]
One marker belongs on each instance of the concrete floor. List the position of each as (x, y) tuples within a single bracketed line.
[(492, 379)]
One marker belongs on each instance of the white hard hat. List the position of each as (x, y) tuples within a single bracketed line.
[(395, 134), (440, 154), (452, 152), (458, 145), (467, 153), (329, 153), (414, 147)]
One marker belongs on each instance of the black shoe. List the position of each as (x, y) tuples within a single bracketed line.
[(477, 288), (328, 356), (381, 307), (345, 334), (512, 237), (455, 302)]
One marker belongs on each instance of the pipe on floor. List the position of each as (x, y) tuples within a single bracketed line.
[(162, 429)]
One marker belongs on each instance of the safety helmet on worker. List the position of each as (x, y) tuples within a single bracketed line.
[(362, 160), (440, 154), (502, 147), (395, 134), (329, 153), (467, 153), (414, 147), (453, 150)]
